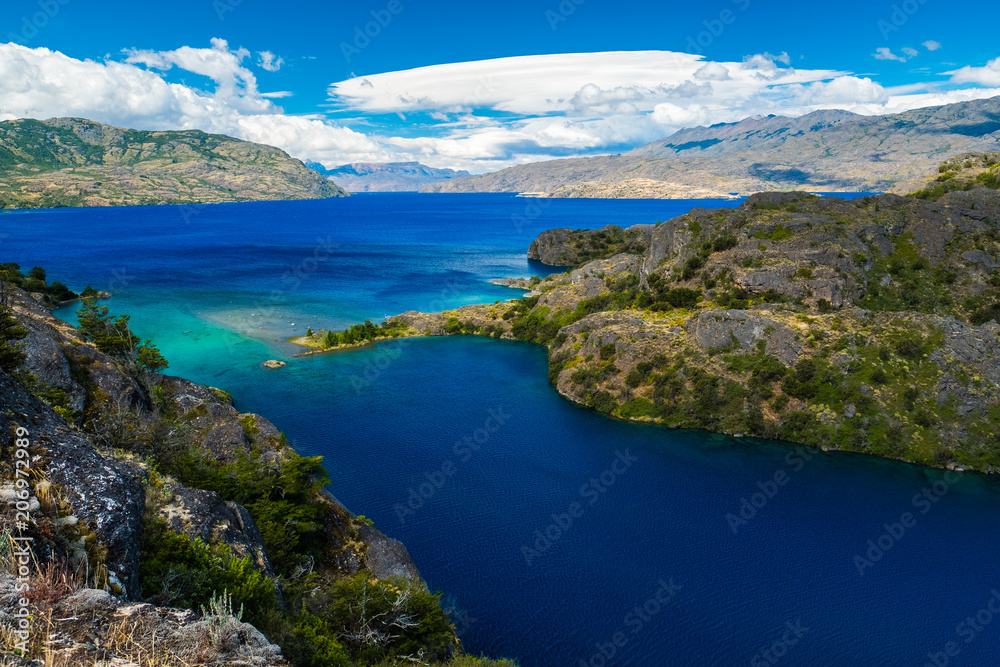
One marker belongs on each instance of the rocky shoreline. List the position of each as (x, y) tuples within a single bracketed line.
[(840, 325)]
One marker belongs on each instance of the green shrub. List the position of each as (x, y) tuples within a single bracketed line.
[(178, 571), (682, 297), (602, 401), (388, 606), (281, 498)]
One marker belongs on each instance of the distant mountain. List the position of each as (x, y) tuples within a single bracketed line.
[(386, 176), (75, 162), (825, 151)]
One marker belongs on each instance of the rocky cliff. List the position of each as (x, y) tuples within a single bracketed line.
[(155, 511), (75, 162), (824, 151), (868, 325)]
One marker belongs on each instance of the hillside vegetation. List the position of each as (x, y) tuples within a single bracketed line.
[(74, 162), (868, 325), (165, 527)]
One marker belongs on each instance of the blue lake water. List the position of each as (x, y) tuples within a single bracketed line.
[(560, 535)]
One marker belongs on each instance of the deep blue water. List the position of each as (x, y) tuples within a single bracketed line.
[(473, 425)]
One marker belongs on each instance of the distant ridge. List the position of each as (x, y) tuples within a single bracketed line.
[(387, 176), (77, 162), (824, 151)]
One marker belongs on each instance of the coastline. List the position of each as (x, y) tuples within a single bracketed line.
[(750, 437)]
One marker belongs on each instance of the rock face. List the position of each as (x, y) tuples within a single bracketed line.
[(75, 162), (106, 495), (638, 188), (715, 329), (204, 514), (832, 151)]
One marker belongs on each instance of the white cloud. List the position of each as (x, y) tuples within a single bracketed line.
[(985, 76), (219, 63), (712, 72), (910, 52), (673, 115), (884, 53), (478, 116), (931, 45), (550, 84), (40, 83), (269, 61), (845, 91)]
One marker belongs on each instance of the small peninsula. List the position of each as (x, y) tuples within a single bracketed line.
[(868, 325), (76, 162)]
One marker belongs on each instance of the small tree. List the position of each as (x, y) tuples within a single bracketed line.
[(149, 358), (111, 336), (114, 337)]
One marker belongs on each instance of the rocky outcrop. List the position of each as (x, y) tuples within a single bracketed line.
[(105, 496), (93, 627), (739, 329), (205, 515)]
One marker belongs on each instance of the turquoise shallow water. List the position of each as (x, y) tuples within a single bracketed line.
[(460, 448)]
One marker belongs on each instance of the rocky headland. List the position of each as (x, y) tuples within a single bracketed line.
[(868, 325), (150, 522)]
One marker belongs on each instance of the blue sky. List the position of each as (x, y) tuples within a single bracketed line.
[(266, 71)]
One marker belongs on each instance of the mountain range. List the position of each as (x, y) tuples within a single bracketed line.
[(824, 151), (76, 162), (386, 176)]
